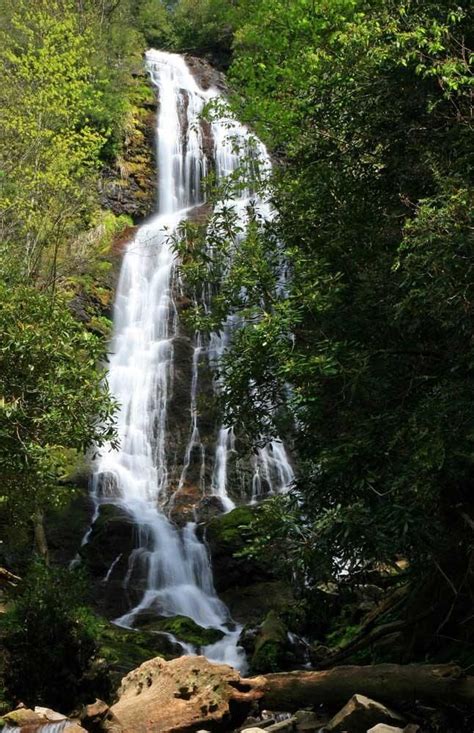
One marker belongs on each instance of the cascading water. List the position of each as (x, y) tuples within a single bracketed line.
[(136, 477)]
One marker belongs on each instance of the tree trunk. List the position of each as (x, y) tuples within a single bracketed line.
[(41, 543), (388, 683)]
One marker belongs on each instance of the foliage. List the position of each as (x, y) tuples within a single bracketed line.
[(368, 344), (49, 638), (52, 399)]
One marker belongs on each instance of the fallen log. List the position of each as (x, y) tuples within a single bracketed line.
[(441, 684), (189, 693)]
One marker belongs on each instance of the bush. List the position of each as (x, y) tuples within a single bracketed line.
[(49, 639)]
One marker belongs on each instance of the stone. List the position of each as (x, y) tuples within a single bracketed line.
[(271, 644), (179, 696), (383, 728), (51, 715), (183, 628), (225, 538), (308, 720), (283, 726), (23, 717), (360, 714), (97, 710), (256, 723), (254, 730)]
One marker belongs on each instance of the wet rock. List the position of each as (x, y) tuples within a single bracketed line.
[(129, 185), (308, 720), (66, 526), (124, 650), (208, 508), (283, 726), (225, 537), (271, 645), (360, 714), (250, 604), (183, 503), (206, 75), (184, 629)]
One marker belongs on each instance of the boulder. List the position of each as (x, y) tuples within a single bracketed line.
[(51, 715), (360, 714), (184, 629), (384, 728), (180, 696), (271, 645), (225, 537), (93, 714), (23, 717), (308, 720), (250, 604)]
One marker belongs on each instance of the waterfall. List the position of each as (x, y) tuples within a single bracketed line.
[(137, 477)]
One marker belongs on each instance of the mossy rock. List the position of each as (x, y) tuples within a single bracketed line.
[(252, 603), (271, 645), (123, 650), (226, 530), (113, 533), (66, 526), (186, 630), (226, 538)]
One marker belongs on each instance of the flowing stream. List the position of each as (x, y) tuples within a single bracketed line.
[(136, 477)]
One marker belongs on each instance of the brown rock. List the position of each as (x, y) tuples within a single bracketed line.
[(51, 715), (24, 717), (360, 714), (98, 708), (180, 696)]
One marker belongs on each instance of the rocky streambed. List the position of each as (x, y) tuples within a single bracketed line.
[(192, 695)]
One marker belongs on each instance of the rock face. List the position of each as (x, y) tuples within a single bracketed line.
[(179, 697), (225, 537), (129, 185), (362, 713)]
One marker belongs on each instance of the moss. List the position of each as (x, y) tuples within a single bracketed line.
[(342, 635), (228, 529), (187, 630), (270, 645)]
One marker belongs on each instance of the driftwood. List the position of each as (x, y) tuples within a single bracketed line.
[(441, 684)]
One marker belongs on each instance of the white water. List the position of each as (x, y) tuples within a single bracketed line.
[(136, 477)]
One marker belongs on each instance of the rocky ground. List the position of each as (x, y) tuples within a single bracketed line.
[(192, 695)]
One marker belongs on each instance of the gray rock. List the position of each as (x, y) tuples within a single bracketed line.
[(284, 726), (307, 720), (383, 728), (362, 713)]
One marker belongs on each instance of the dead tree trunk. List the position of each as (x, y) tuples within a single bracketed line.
[(388, 683)]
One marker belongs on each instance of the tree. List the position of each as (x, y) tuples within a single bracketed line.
[(53, 401)]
